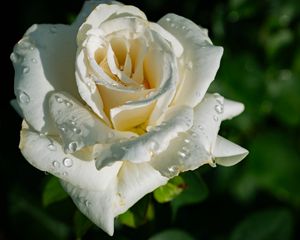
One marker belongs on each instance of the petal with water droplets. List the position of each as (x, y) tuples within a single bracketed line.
[(199, 61), (140, 149), (77, 125), (46, 154), (44, 61)]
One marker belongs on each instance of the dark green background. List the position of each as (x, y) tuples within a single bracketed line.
[(257, 199)]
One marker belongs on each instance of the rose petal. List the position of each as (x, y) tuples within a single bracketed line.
[(232, 109), (46, 154), (199, 61), (14, 103), (201, 144), (134, 182), (104, 12), (44, 60), (98, 206), (87, 87), (227, 153), (141, 149), (78, 127)]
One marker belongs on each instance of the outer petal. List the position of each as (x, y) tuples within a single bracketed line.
[(227, 153), (232, 109), (99, 206), (132, 183), (46, 154), (78, 127), (199, 62), (141, 149), (43, 61), (201, 144)]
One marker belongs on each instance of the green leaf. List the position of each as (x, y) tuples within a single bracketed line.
[(139, 214), (195, 191), (274, 224), (81, 224), (174, 234), (53, 192), (169, 191)]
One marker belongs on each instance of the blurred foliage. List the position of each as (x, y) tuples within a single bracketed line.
[(257, 199)]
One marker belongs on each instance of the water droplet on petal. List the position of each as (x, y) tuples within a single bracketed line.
[(189, 65), (63, 129), (73, 122), (194, 135), (14, 58), (58, 99), (51, 147), (53, 29), (68, 162), (56, 164), (68, 104), (215, 118), (183, 27), (87, 203), (26, 70), (154, 146), (168, 19), (110, 135), (172, 25), (181, 154), (33, 60), (72, 146), (76, 130), (23, 97), (187, 140), (65, 174), (219, 108)]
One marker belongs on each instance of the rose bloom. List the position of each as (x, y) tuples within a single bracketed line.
[(115, 105)]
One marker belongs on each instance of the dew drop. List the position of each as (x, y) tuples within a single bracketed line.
[(14, 58), (56, 164), (63, 129), (65, 174), (73, 122), (110, 135), (168, 19), (187, 140), (183, 27), (33, 60), (51, 147), (72, 146), (194, 135), (68, 162), (23, 97), (215, 118), (53, 29), (198, 93), (58, 99), (154, 146), (31, 48), (87, 203), (181, 154), (68, 104), (172, 25), (76, 130), (26, 70), (219, 108), (189, 65)]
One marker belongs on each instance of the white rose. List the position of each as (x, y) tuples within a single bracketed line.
[(122, 111)]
